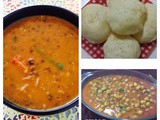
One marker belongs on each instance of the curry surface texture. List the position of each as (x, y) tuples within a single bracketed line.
[(40, 62), (121, 96)]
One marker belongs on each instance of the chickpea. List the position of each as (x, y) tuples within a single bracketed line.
[(119, 114), (142, 87), (138, 95), (117, 105), (120, 96), (126, 104), (131, 85), (127, 100), (115, 95), (128, 108), (94, 84), (133, 91), (106, 103), (134, 116), (104, 87), (97, 98), (151, 100), (112, 106), (152, 88), (148, 90), (143, 106), (124, 98), (100, 109), (109, 91), (138, 87), (143, 101), (144, 91), (151, 107), (133, 99), (152, 93), (136, 105), (149, 95), (147, 109), (140, 112), (148, 103), (132, 104), (99, 91), (114, 79), (91, 82), (126, 80), (135, 84), (146, 99)]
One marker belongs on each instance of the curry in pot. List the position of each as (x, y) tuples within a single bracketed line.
[(121, 96)]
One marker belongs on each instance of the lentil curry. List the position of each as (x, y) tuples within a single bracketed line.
[(40, 62), (121, 96)]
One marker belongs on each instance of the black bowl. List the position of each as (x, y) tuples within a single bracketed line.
[(33, 11)]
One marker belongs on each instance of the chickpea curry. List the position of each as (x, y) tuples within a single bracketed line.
[(41, 62), (121, 96)]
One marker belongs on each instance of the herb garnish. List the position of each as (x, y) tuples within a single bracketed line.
[(58, 65), (121, 90), (146, 92)]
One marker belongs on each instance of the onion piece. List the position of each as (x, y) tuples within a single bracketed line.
[(24, 87), (28, 77), (37, 81)]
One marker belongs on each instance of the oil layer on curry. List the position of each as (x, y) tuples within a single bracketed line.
[(40, 62), (121, 96)]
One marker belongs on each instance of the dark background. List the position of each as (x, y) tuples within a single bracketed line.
[(89, 115)]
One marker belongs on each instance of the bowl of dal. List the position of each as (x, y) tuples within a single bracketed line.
[(40, 60)]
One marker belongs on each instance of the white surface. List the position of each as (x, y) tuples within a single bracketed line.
[(86, 55)]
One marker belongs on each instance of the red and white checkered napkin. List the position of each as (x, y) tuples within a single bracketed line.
[(96, 51)]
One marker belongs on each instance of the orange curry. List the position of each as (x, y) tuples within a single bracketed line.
[(40, 62)]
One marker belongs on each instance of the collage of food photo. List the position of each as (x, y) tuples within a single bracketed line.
[(80, 60)]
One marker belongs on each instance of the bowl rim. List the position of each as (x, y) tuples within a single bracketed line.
[(12, 15), (85, 75), (51, 111), (34, 13)]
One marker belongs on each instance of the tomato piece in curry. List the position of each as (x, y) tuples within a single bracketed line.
[(41, 62), (121, 96)]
